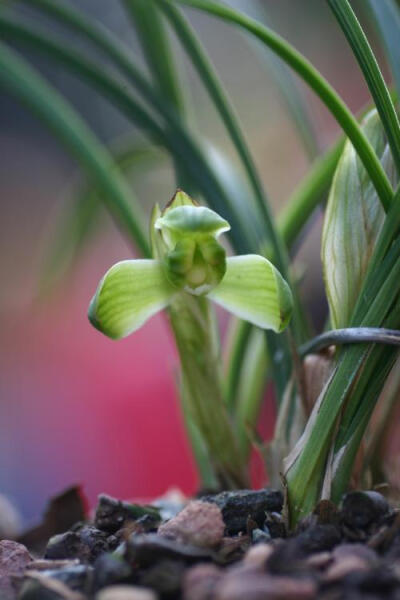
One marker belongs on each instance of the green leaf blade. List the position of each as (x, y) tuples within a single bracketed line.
[(20, 80), (386, 17), (315, 80), (371, 71)]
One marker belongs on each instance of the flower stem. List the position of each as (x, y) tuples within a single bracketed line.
[(193, 326)]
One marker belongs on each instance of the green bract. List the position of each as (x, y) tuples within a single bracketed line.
[(188, 259), (353, 220)]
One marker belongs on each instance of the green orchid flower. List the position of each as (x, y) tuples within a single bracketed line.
[(189, 260), (190, 267)]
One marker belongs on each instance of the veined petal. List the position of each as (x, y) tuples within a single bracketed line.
[(131, 292), (255, 291)]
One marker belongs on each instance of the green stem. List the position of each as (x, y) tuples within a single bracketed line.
[(236, 347), (251, 385), (317, 83), (199, 354)]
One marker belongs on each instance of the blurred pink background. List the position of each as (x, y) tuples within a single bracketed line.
[(75, 406)]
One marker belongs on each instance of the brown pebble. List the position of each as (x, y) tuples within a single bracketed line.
[(200, 581), (36, 585), (44, 564), (319, 560), (344, 566), (359, 550), (258, 555), (233, 548), (126, 592), (256, 586), (199, 524), (14, 558)]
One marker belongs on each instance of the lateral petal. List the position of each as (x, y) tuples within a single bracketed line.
[(129, 294), (254, 290)]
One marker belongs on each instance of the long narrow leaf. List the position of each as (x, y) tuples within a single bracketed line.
[(81, 219), (157, 50), (373, 76), (308, 194), (227, 113), (181, 145), (176, 137), (224, 107), (386, 17), (159, 56), (288, 87), (367, 391), (315, 80), (18, 79), (305, 464)]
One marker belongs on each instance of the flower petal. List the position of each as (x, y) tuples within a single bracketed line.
[(255, 291), (131, 292)]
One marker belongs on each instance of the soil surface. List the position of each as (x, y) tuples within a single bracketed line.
[(228, 546)]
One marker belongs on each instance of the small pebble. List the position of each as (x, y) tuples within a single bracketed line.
[(238, 506), (14, 558), (110, 569), (359, 550), (111, 514), (318, 538), (319, 561), (258, 555), (199, 523), (44, 564), (260, 536), (345, 566), (126, 592), (199, 582), (149, 548), (86, 544), (348, 559), (39, 587), (360, 509), (66, 545), (165, 577), (256, 586), (77, 577)]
